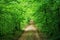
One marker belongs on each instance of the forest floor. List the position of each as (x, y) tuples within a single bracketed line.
[(31, 33)]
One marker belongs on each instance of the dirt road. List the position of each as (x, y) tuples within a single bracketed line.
[(30, 33)]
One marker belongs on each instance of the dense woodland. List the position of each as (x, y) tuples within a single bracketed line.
[(15, 14)]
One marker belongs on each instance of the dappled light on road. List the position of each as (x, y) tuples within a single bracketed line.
[(30, 27)]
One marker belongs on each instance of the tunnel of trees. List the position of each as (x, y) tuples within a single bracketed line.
[(15, 14)]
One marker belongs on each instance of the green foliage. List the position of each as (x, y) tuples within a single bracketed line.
[(48, 19), (15, 14)]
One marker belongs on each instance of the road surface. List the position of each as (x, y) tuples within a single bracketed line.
[(30, 33)]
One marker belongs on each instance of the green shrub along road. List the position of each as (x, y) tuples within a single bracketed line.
[(15, 15)]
